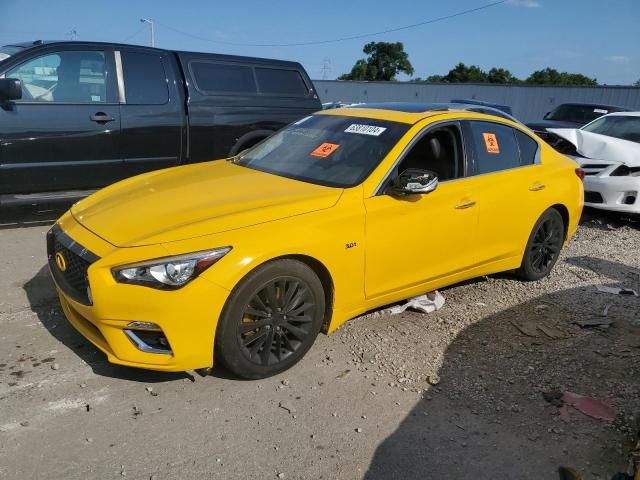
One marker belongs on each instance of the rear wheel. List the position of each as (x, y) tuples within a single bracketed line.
[(270, 320), (543, 247)]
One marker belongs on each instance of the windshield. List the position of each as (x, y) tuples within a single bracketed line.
[(7, 51), (578, 113), (328, 150), (618, 126)]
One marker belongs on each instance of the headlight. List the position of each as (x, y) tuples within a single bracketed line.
[(169, 272)]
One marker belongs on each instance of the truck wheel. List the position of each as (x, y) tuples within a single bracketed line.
[(271, 319), (543, 247)]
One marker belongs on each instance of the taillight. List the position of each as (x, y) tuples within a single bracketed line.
[(580, 173)]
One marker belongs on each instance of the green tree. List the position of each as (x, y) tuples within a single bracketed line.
[(384, 61), (551, 76), (466, 74), (501, 75), (429, 79)]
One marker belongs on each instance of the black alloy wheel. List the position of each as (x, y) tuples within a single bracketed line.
[(543, 248), (270, 320), (276, 321)]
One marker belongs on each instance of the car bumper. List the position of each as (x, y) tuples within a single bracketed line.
[(186, 318), (619, 194)]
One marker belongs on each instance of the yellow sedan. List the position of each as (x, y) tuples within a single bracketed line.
[(244, 261)]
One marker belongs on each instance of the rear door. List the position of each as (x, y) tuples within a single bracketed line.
[(65, 131), (508, 181), (152, 111)]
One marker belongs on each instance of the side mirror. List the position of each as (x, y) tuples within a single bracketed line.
[(414, 181), (547, 115), (10, 89)]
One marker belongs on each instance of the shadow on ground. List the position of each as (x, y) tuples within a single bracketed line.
[(487, 418)]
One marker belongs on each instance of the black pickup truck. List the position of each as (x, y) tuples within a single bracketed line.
[(76, 116)]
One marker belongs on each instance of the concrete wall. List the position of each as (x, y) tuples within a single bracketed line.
[(528, 102)]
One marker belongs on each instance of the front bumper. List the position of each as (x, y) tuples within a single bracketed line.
[(187, 317), (619, 194)]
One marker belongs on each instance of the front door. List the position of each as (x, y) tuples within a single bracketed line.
[(65, 131), (414, 239)]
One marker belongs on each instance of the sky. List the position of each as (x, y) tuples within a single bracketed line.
[(599, 38)]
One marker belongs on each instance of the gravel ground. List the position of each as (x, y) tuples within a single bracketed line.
[(452, 394)]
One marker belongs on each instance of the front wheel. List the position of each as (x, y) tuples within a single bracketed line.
[(543, 247), (271, 319)]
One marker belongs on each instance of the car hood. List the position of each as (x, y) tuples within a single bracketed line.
[(601, 147), (547, 124), (195, 200)]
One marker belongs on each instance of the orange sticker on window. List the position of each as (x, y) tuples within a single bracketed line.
[(491, 143), (324, 150)]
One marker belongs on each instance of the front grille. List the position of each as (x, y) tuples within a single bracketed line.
[(593, 197), (595, 168), (73, 280)]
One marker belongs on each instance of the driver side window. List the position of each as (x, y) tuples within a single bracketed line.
[(63, 77), (439, 151)]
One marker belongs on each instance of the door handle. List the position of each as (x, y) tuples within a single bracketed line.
[(101, 117), (537, 188), (462, 206)]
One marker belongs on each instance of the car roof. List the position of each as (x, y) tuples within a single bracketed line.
[(596, 105), (622, 114), (213, 55), (407, 112)]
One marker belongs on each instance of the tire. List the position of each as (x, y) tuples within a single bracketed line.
[(543, 248), (256, 340)]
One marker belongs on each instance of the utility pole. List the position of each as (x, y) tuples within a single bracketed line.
[(150, 22), (72, 34), (326, 67)]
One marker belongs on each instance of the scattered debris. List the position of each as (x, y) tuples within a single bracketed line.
[(617, 291), (433, 379), (287, 407), (358, 430), (594, 322), (589, 406), (55, 366), (533, 329), (567, 473), (343, 374), (427, 303), (550, 331)]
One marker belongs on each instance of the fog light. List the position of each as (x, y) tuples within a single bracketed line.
[(144, 326)]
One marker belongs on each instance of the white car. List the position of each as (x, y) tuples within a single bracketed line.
[(608, 150)]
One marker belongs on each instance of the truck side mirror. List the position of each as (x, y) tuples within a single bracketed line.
[(10, 89)]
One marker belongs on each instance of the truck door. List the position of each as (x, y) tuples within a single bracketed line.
[(152, 112), (64, 133)]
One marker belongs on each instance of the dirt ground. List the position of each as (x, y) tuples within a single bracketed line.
[(448, 395)]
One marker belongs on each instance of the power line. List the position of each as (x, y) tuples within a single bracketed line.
[(335, 40), (137, 32)]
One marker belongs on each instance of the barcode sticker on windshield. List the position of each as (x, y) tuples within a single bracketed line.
[(365, 129), (600, 110)]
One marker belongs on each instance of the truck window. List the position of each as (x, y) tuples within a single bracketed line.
[(223, 78), (145, 80), (63, 77), (276, 81)]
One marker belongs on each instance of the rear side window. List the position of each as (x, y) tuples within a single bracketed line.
[(275, 81), (495, 147), (223, 78), (145, 80), (528, 148)]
